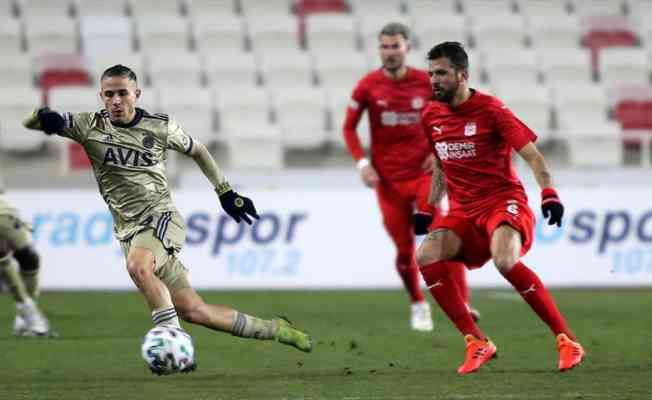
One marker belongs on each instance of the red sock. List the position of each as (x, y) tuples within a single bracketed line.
[(409, 272), (447, 294), (458, 273), (529, 286)]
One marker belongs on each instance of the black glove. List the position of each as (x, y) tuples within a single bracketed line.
[(238, 206), (551, 206), (51, 121), (420, 222)]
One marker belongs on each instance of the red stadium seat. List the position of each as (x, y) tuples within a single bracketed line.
[(305, 7), (76, 157), (61, 69), (607, 31)]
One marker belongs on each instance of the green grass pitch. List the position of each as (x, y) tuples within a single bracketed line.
[(364, 350)]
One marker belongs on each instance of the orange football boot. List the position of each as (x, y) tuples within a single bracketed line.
[(570, 353), (478, 353)]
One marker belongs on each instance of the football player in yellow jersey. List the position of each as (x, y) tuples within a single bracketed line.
[(19, 267), (128, 148)]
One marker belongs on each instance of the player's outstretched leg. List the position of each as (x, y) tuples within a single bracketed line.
[(192, 308)]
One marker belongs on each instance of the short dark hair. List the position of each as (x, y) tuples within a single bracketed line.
[(395, 28), (119, 70), (455, 53)]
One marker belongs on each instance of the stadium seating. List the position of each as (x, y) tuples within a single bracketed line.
[(55, 35), (154, 9), (330, 33), (245, 123), (101, 34), (531, 103), (44, 11), (340, 71), (184, 69), (431, 9), (302, 117), (218, 48), (10, 37), (170, 34), (287, 70), (274, 34), (240, 71), (15, 105), (193, 109), (224, 36), (448, 27), (551, 34), (16, 72), (103, 8), (509, 34), (513, 66), (566, 66), (620, 65)]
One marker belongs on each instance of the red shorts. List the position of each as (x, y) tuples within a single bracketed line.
[(476, 232)]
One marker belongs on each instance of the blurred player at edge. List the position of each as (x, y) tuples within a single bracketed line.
[(128, 148), (19, 266), (400, 165), (472, 136)]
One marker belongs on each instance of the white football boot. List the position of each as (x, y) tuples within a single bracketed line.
[(420, 318), (20, 326), (36, 324)]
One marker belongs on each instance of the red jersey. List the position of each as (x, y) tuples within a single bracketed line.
[(474, 143), (398, 147)]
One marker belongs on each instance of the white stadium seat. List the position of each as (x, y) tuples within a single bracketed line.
[(302, 117), (287, 70), (100, 34), (240, 71), (163, 34), (330, 33), (512, 66), (193, 109), (566, 66), (619, 65), (10, 37), (185, 70), (57, 35), (16, 72), (101, 8), (153, 9), (217, 36), (15, 106), (531, 104), (344, 70), (274, 34)]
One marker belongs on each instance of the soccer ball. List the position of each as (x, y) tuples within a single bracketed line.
[(168, 350)]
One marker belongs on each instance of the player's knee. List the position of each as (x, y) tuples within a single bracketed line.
[(425, 256), (504, 262), (139, 270), (404, 261), (28, 259)]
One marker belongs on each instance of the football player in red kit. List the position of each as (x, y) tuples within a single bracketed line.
[(472, 136), (400, 165)]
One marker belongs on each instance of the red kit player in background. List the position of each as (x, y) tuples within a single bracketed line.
[(472, 135), (400, 166)]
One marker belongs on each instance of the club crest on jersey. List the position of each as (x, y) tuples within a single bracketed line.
[(417, 103), (470, 128), (148, 141)]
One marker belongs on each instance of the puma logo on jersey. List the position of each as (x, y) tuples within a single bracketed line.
[(438, 129), (127, 157), (532, 288)]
